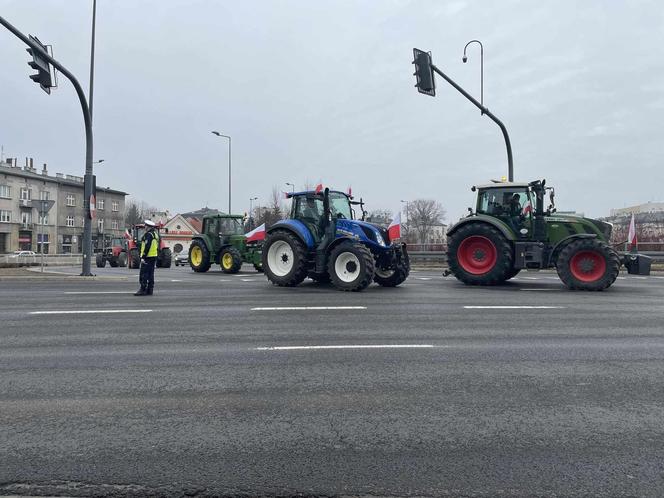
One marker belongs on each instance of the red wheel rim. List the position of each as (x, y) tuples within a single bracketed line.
[(587, 266), (477, 255)]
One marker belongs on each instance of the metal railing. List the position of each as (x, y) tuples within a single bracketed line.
[(15, 260)]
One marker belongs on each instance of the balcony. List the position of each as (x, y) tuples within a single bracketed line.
[(25, 203)]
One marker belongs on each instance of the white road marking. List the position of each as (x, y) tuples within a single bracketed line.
[(346, 346), (552, 278), (300, 308), (176, 280), (248, 279), (512, 307), (99, 292), (530, 278), (621, 278), (538, 289), (638, 278), (655, 277), (224, 280), (423, 278), (85, 312)]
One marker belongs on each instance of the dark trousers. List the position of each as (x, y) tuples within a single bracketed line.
[(146, 276)]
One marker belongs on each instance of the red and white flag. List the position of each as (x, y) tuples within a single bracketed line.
[(394, 230), (319, 187), (350, 191), (127, 235), (256, 234), (631, 235)]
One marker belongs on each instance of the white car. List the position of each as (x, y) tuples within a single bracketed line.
[(20, 254), (23, 257), (181, 259)]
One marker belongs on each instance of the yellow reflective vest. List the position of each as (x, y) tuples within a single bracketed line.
[(153, 250)]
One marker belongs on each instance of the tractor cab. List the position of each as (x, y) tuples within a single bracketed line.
[(309, 208), (224, 228)]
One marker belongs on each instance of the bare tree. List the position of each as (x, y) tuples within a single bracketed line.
[(380, 216), (423, 215), (136, 211), (271, 213)]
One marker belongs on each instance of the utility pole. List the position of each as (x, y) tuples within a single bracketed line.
[(36, 49), (92, 54)]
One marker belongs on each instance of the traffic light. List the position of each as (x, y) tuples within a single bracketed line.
[(423, 73), (43, 67)]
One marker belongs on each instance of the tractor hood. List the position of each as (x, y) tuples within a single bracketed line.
[(583, 224), (371, 229)]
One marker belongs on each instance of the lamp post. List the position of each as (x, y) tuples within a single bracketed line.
[(251, 216), (229, 167), (405, 223), (92, 56), (292, 186), (465, 59)]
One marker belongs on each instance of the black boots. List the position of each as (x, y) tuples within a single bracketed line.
[(141, 292)]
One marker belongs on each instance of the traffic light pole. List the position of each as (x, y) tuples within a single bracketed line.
[(510, 165), (88, 178)]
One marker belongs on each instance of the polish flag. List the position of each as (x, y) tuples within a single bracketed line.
[(319, 187), (286, 195), (631, 235), (257, 234), (528, 208), (394, 230), (127, 235), (350, 191)]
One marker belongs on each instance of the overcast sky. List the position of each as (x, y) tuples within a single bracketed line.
[(323, 90)]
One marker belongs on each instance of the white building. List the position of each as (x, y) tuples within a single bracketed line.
[(648, 207), (177, 233)]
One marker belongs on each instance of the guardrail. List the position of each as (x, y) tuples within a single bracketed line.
[(13, 261), (440, 257)]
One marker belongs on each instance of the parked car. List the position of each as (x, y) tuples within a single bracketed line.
[(181, 258), (23, 257)]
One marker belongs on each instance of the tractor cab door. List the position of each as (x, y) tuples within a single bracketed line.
[(513, 206), (309, 210)]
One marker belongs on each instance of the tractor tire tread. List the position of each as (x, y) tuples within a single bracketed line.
[(364, 254), (610, 256), (237, 260), (299, 272)]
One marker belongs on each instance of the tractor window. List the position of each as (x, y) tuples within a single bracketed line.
[(231, 226), (340, 207), (309, 208), (502, 202)]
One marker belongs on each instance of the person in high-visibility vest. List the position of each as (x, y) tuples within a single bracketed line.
[(149, 253)]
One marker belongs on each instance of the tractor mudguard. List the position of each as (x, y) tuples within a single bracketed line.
[(480, 218), (296, 227), (553, 255)]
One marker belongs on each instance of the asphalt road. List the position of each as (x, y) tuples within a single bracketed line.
[(431, 389)]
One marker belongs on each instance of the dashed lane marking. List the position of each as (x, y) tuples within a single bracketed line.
[(172, 280), (308, 308), (513, 307), (347, 346), (86, 312), (98, 292), (423, 278)]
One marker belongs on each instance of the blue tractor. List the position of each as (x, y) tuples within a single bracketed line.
[(322, 240)]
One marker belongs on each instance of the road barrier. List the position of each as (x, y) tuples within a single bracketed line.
[(13, 260)]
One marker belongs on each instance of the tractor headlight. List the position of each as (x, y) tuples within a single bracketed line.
[(379, 239)]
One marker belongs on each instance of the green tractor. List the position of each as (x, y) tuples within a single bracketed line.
[(222, 241), (510, 231)]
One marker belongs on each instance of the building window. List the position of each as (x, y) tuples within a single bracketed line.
[(26, 193), (115, 206), (100, 204), (114, 224), (100, 225), (71, 200), (5, 191), (43, 220), (44, 195), (42, 243), (26, 218), (70, 221), (5, 216)]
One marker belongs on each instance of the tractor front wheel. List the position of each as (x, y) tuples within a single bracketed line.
[(351, 266), (199, 256), (122, 259), (134, 259), (478, 254), (100, 260), (165, 258), (588, 264), (284, 259), (230, 260), (392, 277)]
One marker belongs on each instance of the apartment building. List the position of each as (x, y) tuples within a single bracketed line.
[(22, 227)]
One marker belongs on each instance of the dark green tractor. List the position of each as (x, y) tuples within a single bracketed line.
[(511, 230), (222, 241)]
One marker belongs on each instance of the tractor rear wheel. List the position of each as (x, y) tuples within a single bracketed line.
[(392, 277), (113, 261), (478, 254), (165, 258), (512, 273), (284, 259), (122, 259), (134, 259), (199, 256), (351, 266), (100, 260), (588, 264), (230, 260)]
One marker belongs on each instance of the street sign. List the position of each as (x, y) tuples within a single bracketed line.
[(93, 207), (45, 206)]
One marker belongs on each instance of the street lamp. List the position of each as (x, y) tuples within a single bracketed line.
[(251, 216), (465, 59), (229, 167), (98, 161), (292, 186)]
